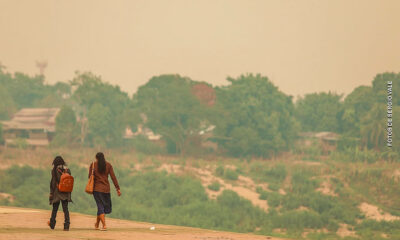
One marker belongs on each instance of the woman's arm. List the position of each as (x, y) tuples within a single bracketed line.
[(113, 178), (51, 186)]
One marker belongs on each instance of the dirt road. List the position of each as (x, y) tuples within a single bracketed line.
[(21, 223)]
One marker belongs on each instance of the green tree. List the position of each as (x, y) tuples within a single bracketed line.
[(27, 91), (1, 134), (100, 119), (170, 109), (24, 90), (95, 96), (364, 112), (379, 86), (255, 118), (67, 128), (7, 105), (374, 127), (319, 111), (355, 107)]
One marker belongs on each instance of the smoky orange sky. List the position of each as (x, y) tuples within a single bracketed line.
[(302, 46)]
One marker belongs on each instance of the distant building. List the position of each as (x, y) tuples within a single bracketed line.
[(146, 132), (35, 126), (327, 140), (207, 136)]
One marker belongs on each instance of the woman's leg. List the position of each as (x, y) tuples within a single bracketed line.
[(52, 222), (103, 221), (106, 200), (66, 214), (96, 225), (100, 209)]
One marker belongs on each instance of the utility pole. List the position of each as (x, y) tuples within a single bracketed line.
[(42, 66)]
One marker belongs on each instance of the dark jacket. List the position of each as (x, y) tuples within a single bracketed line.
[(55, 195), (101, 183)]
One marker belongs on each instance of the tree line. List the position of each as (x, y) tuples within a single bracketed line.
[(248, 117)]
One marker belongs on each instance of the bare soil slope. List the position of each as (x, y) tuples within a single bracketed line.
[(21, 223)]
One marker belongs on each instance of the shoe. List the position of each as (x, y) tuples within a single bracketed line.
[(51, 224), (66, 226)]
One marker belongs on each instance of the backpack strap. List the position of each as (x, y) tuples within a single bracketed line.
[(93, 168), (62, 170)]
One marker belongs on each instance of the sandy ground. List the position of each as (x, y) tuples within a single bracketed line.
[(245, 186), (19, 223), (344, 231), (373, 212), (326, 189)]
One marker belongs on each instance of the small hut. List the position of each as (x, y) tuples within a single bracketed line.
[(34, 126), (327, 140)]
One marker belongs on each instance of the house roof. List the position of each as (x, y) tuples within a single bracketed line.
[(31, 142), (147, 132), (330, 136), (33, 118)]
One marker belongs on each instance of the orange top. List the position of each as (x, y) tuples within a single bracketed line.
[(101, 183)]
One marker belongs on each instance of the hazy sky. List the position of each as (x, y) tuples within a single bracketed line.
[(302, 46)]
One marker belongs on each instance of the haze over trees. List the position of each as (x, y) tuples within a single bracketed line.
[(254, 117), (319, 112), (250, 116), (170, 109), (103, 105)]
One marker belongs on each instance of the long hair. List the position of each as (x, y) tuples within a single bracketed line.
[(56, 162), (101, 161)]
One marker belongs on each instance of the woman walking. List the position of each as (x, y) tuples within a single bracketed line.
[(101, 191), (56, 196)]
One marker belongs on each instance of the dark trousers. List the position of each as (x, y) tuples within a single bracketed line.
[(64, 204), (103, 202)]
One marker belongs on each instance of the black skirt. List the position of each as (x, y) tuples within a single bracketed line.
[(103, 202)]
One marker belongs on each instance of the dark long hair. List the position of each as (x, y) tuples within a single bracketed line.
[(101, 161), (56, 162)]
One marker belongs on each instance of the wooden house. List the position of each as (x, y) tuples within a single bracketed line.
[(34, 126)]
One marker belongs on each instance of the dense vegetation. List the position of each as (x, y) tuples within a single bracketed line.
[(160, 197), (251, 116), (153, 197), (248, 118)]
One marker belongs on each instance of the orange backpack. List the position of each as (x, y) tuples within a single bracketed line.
[(66, 182)]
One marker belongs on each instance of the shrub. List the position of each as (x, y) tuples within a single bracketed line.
[(220, 171), (215, 186), (143, 145), (274, 186), (273, 176), (263, 195), (274, 199), (151, 196), (276, 173), (1, 134), (20, 143), (231, 175), (297, 220), (347, 142)]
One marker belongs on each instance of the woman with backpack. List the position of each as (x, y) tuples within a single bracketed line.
[(60, 192), (101, 169)]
